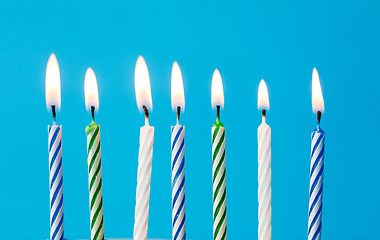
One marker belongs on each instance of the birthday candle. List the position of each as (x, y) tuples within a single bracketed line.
[(144, 101), (316, 164), (178, 158), (53, 100), (93, 159), (218, 161), (264, 170)]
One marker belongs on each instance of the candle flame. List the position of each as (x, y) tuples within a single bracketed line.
[(142, 85), (316, 95), (91, 90), (53, 83), (178, 95), (217, 95), (263, 98)]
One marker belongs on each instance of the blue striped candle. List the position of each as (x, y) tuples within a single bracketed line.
[(55, 182), (316, 183), (316, 164), (178, 183), (178, 157)]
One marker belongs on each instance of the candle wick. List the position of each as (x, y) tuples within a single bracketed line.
[(217, 112), (319, 116), (264, 114), (178, 113), (93, 113), (54, 114), (146, 112)]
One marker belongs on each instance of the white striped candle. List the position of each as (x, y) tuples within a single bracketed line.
[(264, 167), (144, 171)]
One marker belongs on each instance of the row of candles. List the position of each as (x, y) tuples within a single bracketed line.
[(144, 103)]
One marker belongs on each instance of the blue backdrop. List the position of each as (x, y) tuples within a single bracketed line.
[(280, 41)]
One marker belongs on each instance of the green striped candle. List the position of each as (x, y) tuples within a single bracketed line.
[(219, 180), (218, 162), (93, 159), (95, 181)]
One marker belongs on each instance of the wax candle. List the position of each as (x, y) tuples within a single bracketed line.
[(178, 158), (316, 164), (218, 161), (53, 101), (93, 159), (264, 169), (144, 171)]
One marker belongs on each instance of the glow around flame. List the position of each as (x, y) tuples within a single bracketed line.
[(316, 95), (91, 90), (53, 83), (217, 95), (262, 96), (178, 95), (142, 85)]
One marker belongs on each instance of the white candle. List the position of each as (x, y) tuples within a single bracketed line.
[(144, 101), (264, 168), (178, 158)]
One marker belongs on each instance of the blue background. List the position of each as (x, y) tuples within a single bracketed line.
[(280, 41)]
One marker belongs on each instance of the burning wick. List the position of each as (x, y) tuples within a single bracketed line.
[(178, 113), (53, 111), (319, 116), (93, 113), (146, 112), (217, 111)]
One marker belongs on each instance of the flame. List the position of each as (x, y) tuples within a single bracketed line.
[(178, 95), (263, 98), (91, 90), (316, 95), (53, 83), (217, 95), (142, 85)]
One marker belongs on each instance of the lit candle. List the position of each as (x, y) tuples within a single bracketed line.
[(178, 157), (144, 101), (218, 161), (316, 165), (93, 159), (53, 101), (264, 170)]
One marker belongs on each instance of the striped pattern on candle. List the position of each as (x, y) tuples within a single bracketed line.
[(265, 179), (316, 184), (144, 173), (219, 182), (95, 181), (178, 183), (55, 182)]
